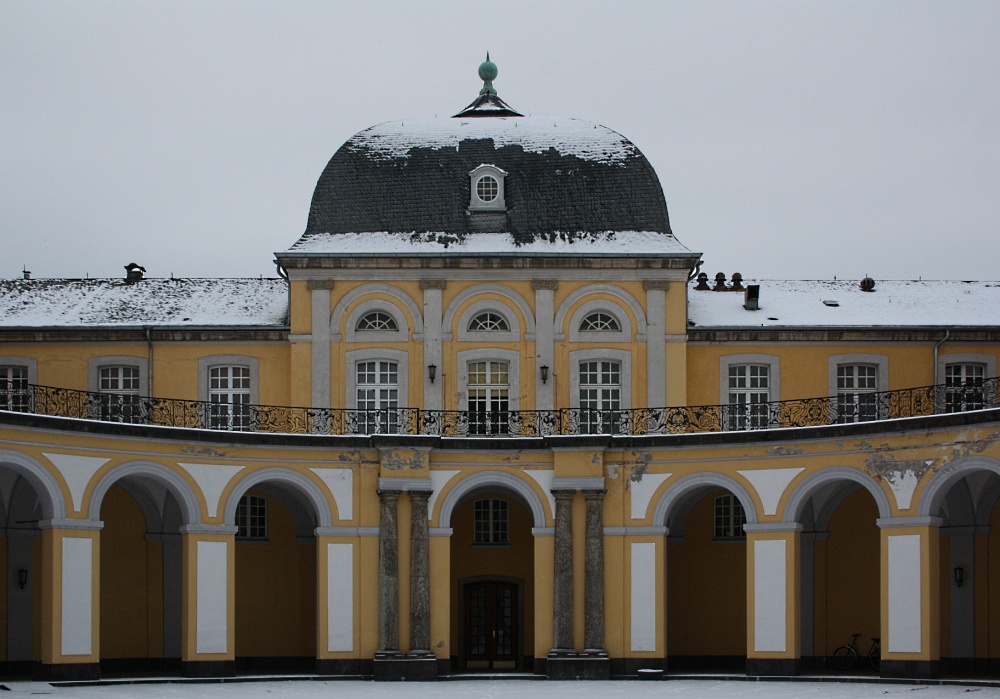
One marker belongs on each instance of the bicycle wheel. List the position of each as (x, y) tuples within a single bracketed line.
[(844, 658), (875, 658)]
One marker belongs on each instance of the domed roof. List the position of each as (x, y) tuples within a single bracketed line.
[(561, 180)]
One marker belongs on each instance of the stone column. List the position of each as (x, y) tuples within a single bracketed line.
[(562, 603), (320, 333), (656, 352), (593, 593), (388, 574), (433, 392), (420, 589), (544, 341)]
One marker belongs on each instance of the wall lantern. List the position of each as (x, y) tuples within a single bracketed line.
[(432, 372), (959, 576), (22, 578), (545, 373)]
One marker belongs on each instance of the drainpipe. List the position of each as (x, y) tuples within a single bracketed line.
[(937, 378), (149, 361)]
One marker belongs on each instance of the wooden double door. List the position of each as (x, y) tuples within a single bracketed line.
[(491, 625)]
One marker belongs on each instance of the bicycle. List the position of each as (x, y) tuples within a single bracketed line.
[(846, 657)]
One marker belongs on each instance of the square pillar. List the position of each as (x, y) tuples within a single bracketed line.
[(774, 599), (70, 586), (208, 600), (337, 608), (910, 597)]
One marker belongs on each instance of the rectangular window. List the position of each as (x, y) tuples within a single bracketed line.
[(229, 398), (14, 392), (729, 518), (600, 397), (119, 400), (964, 387), (749, 393), (488, 388), (377, 396), (857, 393), (490, 522), (251, 517)]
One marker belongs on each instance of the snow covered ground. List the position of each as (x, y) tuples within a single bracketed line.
[(504, 689)]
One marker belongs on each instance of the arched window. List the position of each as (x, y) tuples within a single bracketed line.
[(488, 321), (377, 320), (600, 322)]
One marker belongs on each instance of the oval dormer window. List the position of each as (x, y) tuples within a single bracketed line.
[(487, 189)]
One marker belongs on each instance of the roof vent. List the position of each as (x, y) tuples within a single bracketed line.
[(134, 273), (720, 282), (702, 282), (25, 273), (737, 282), (868, 284), (751, 297), (832, 303)]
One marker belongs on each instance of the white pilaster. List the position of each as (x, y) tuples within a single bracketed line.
[(432, 289), (320, 342), (656, 352), (545, 291)]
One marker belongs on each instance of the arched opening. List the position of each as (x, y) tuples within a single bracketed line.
[(141, 578), (965, 496), (707, 581), (21, 584), (840, 570), (275, 578), (492, 581)]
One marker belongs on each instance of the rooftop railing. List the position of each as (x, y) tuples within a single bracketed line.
[(808, 412)]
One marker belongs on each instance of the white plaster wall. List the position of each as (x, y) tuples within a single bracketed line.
[(77, 595), (769, 585), (340, 597), (643, 596), (904, 593), (212, 608)]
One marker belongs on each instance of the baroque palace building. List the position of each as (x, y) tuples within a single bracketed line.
[(526, 434)]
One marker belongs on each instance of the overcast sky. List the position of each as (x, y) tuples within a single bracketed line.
[(793, 140)]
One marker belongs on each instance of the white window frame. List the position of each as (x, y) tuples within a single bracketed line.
[(987, 361), (27, 363), (773, 364), (513, 360), (600, 306), (488, 306), (731, 528), (624, 359), (881, 364), (376, 354), (497, 204), (495, 535), (248, 530), (206, 364), (402, 333), (95, 365)]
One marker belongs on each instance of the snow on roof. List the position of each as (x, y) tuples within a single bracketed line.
[(29, 303), (844, 304), (584, 139), (381, 243)]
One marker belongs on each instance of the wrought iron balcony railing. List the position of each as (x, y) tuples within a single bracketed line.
[(808, 412)]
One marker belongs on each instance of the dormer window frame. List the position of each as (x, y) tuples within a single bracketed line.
[(477, 202)]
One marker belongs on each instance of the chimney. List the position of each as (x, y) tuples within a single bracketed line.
[(720, 282), (25, 273), (737, 282), (702, 282), (134, 273)]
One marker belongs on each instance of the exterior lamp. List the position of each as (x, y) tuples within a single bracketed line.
[(959, 576), (432, 372), (545, 373), (22, 578)]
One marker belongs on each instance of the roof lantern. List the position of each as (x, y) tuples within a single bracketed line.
[(488, 104)]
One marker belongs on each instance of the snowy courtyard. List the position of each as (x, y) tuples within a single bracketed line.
[(503, 689)]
